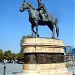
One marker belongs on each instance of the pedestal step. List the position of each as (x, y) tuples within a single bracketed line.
[(46, 72), (33, 67)]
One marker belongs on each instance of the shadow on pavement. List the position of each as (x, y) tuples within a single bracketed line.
[(14, 72)]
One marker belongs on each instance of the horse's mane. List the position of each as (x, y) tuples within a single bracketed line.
[(30, 5)]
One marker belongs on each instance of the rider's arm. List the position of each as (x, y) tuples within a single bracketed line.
[(40, 6)]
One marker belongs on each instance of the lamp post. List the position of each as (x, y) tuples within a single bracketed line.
[(4, 68)]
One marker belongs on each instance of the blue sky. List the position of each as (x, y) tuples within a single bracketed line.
[(14, 24)]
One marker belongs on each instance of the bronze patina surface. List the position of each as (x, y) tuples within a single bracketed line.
[(40, 16)]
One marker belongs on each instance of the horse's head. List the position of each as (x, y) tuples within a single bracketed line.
[(24, 6)]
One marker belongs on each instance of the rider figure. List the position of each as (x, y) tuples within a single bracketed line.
[(43, 13)]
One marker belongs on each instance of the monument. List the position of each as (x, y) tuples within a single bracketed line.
[(43, 56)]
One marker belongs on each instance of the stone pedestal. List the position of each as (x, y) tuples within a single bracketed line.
[(44, 56)]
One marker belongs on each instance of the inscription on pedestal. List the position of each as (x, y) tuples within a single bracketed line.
[(43, 58)]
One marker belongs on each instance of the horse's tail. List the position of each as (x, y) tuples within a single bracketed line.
[(57, 28)]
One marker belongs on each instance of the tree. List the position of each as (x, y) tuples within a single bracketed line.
[(20, 56), (1, 55), (8, 55), (13, 56)]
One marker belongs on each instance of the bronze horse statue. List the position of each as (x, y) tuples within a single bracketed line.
[(36, 20)]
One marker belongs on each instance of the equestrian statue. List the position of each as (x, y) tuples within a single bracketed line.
[(40, 16)]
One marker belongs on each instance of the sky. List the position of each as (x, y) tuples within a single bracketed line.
[(15, 24)]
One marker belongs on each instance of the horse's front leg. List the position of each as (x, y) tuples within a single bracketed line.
[(32, 28), (34, 33), (37, 28), (37, 31)]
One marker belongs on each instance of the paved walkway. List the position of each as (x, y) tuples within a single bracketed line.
[(72, 69), (11, 69)]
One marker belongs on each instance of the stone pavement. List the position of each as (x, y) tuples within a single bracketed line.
[(11, 69)]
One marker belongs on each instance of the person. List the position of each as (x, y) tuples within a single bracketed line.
[(43, 13)]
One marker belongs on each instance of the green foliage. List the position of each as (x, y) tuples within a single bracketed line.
[(13, 56), (1, 55), (28, 36), (20, 56), (8, 55)]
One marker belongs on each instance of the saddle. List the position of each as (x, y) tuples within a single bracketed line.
[(43, 17)]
